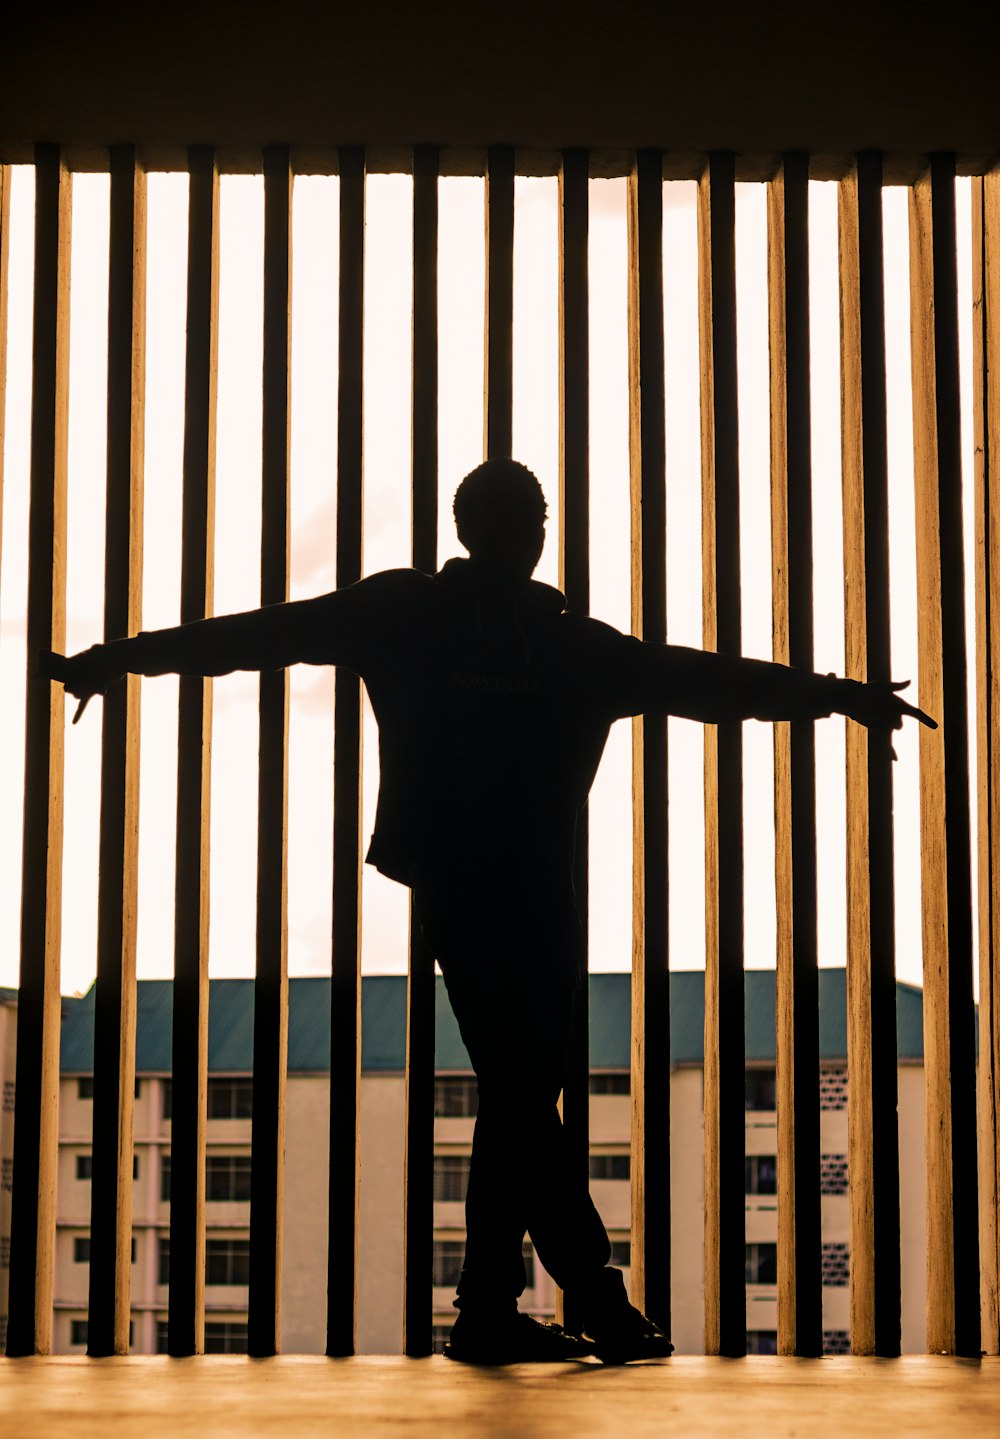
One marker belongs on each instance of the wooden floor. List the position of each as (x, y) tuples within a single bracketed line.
[(390, 1398)]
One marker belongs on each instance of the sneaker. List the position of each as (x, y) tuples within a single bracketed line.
[(517, 1340), (620, 1332)]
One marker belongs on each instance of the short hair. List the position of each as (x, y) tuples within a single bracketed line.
[(494, 495)]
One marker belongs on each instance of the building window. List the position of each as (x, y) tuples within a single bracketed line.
[(165, 1177), (611, 1083), (9, 1088), (84, 1166), (833, 1174), (230, 1099), (455, 1097), (836, 1265), (138, 1087), (162, 1336), (85, 1090), (761, 1174), (6, 1175), (78, 1331), (81, 1249), (135, 1166), (163, 1259), (610, 1166), (227, 1177), (621, 1253), (440, 1334), (227, 1261), (836, 1341), (762, 1264), (448, 1256), (224, 1336), (762, 1341), (760, 1092), (833, 1089), (4, 1251), (451, 1177)]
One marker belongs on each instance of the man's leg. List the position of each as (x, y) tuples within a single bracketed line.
[(512, 986)]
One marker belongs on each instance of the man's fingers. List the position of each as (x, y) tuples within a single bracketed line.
[(919, 715)]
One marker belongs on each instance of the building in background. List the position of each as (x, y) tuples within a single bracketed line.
[(380, 1299)]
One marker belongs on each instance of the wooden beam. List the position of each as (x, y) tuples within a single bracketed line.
[(800, 1293), (872, 1124), (5, 179), (650, 951), (418, 1230), (725, 1293), (498, 430), (949, 1033), (574, 577), (986, 402), (270, 1016), (345, 1014), (36, 1116), (115, 994), (186, 1312)]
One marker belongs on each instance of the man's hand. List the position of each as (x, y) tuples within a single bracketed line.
[(878, 706), (84, 675)]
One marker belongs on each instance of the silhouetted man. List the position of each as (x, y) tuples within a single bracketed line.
[(493, 706)]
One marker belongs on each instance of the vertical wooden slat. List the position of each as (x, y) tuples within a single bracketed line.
[(574, 575), (725, 1293), (986, 389), (186, 1313), (270, 1021), (345, 1016), (800, 1294), (4, 267), (419, 1170), (650, 954), (36, 1117), (499, 330), (873, 1136), (115, 997), (949, 1059)]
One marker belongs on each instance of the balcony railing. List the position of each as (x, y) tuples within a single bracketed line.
[(962, 1234)]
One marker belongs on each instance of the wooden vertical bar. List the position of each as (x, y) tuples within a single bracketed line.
[(186, 1312), (574, 576), (949, 1033), (4, 268), (800, 1294), (270, 1019), (419, 1170), (345, 1016), (499, 377), (36, 1116), (873, 1134), (650, 953), (986, 390), (115, 997), (725, 1292)]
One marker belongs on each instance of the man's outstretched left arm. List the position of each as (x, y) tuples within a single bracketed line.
[(712, 688)]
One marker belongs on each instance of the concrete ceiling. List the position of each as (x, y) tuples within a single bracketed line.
[(722, 74)]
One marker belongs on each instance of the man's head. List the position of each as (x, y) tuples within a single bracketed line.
[(500, 517)]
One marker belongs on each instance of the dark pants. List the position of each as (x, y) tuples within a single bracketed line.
[(511, 959)]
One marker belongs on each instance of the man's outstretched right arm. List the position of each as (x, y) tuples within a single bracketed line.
[(329, 629)]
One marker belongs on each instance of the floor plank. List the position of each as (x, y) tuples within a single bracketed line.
[(383, 1398)]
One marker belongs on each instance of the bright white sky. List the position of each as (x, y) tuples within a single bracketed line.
[(386, 541)]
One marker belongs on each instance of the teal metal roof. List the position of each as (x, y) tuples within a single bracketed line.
[(383, 1023)]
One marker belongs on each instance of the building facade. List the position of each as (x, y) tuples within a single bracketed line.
[(380, 1299)]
